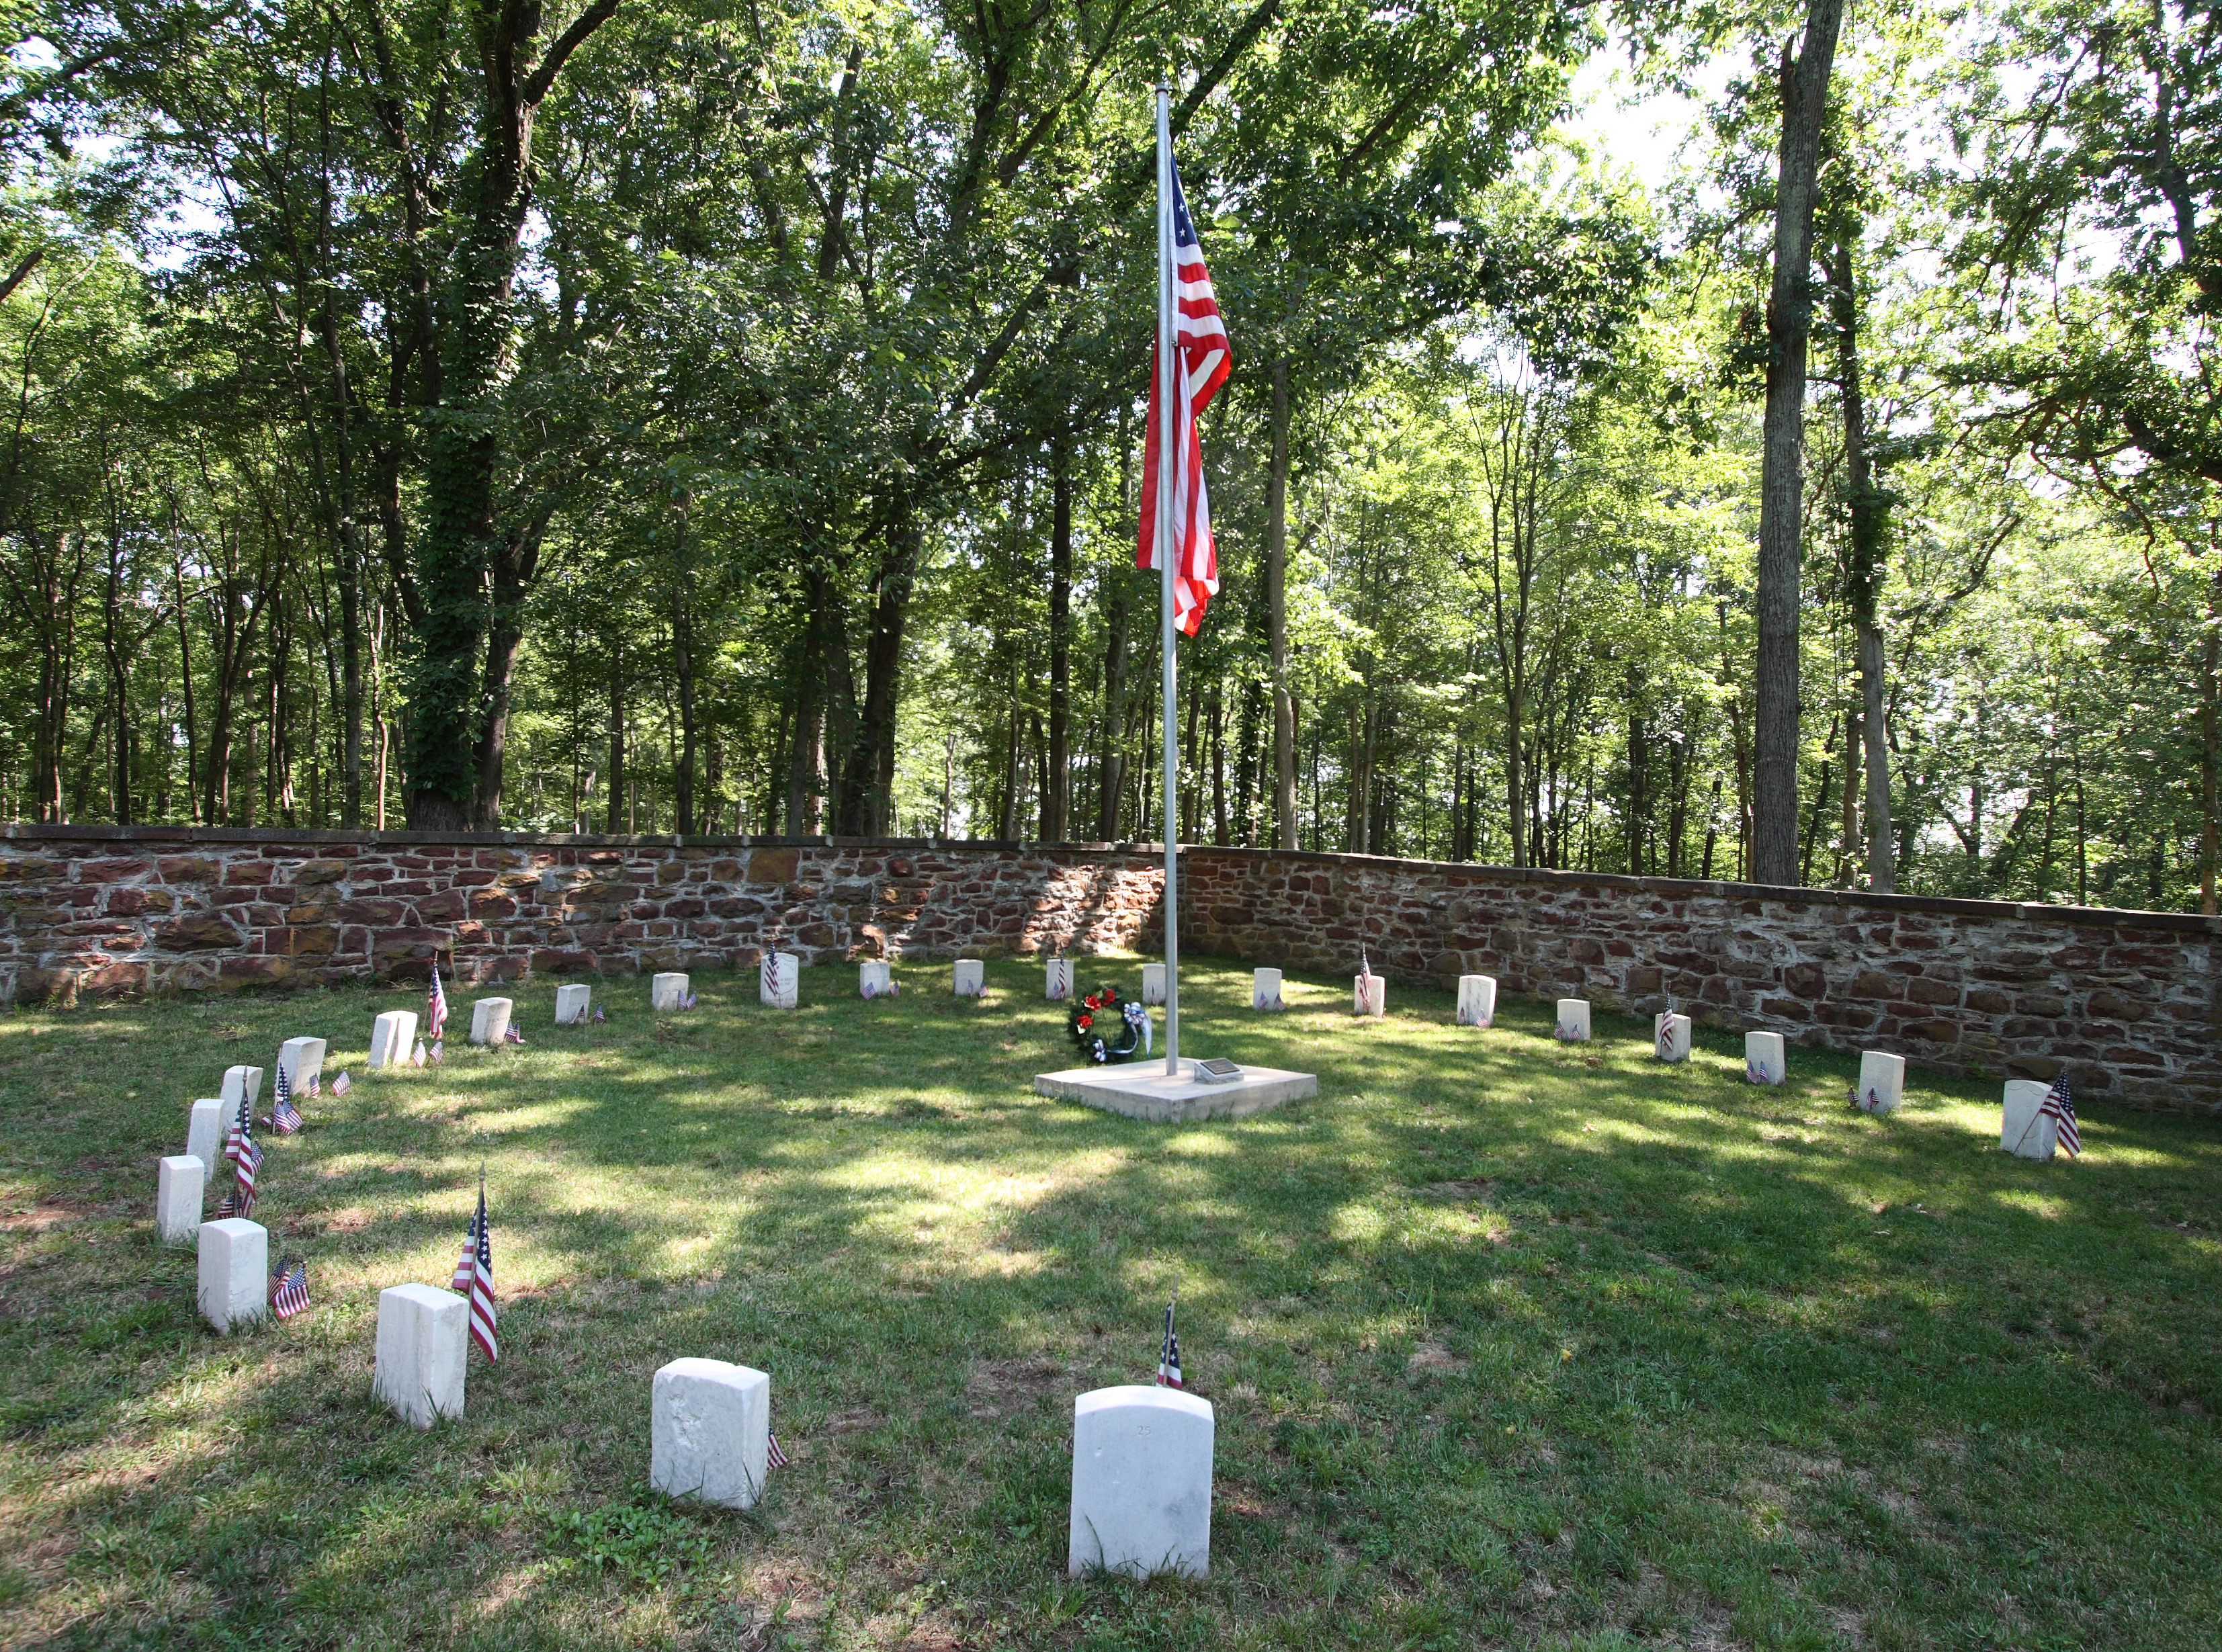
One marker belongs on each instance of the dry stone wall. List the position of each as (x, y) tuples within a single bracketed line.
[(2128, 1002)]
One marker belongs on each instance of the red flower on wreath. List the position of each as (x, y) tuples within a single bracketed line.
[(1085, 1021)]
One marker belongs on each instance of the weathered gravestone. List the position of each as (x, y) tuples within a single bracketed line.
[(422, 1344), (302, 1061), (393, 1036), (1572, 1025), (668, 990), (1265, 989), (1153, 984), (178, 1189), (967, 978), (1141, 1482), (489, 1019), (779, 980), (235, 1273), (574, 999), (1369, 995), (2026, 1128), (204, 1132), (1882, 1081), (242, 1082), (1764, 1062), (710, 1432), (1476, 999), (1670, 1036), (1057, 979), (875, 978)]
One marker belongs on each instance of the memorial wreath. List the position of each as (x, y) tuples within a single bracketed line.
[(1107, 1029)]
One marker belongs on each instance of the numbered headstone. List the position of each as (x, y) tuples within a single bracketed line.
[(1477, 1004), (1057, 979), (177, 1194), (1153, 984), (1141, 1482), (875, 978), (1265, 989), (1670, 1036), (779, 980), (422, 1344), (235, 1273), (1764, 1060), (969, 978), (668, 992), (710, 1432), (393, 1036), (1882, 1082), (573, 1000), (489, 1019), (1572, 1025), (2028, 1130)]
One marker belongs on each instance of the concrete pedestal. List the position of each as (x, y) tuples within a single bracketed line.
[(1057, 978), (572, 1001), (2027, 1130), (1265, 989), (968, 977), (1477, 1004), (489, 1019), (1139, 1089), (668, 990), (1153, 984), (1670, 1036), (876, 978), (1573, 1025), (204, 1133), (178, 1188), (710, 1432), (393, 1036), (423, 1340), (302, 1061), (779, 980), (242, 1081), (1764, 1060), (1882, 1081), (1141, 1482), (235, 1273), (1369, 995)]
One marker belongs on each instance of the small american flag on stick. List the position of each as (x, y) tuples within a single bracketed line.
[(1169, 1365), (2059, 1107), (774, 1457), (474, 1275), (249, 1166), (284, 1117), (289, 1288), (436, 1007), (242, 1126), (341, 1084)]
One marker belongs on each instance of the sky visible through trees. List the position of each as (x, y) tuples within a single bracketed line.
[(726, 418)]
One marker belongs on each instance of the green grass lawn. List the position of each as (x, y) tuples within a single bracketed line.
[(1513, 1344)]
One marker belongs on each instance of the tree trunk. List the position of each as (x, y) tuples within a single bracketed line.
[(1056, 794), (1111, 767), (1276, 618), (1789, 325), (616, 742), (2210, 763)]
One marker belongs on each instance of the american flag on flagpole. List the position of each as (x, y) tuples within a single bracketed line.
[(1168, 1369), (435, 1007), (248, 1167), (1204, 362), (289, 1288), (475, 1274), (242, 1124), (2059, 1107)]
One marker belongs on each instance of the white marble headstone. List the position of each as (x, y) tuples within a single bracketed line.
[(969, 977), (393, 1036), (710, 1432), (1882, 1081), (1057, 978), (1477, 1004), (302, 1061), (1369, 995), (875, 976), (422, 1348), (1153, 984), (1764, 1062), (667, 991), (243, 1081), (489, 1019), (779, 980), (235, 1273), (204, 1134), (1265, 989), (1670, 1036), (2027, 1129), (573, 1000), (178, 1193), (1573, 1023), (1141, 1482)]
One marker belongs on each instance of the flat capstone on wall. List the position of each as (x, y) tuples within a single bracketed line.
[(2126, 1002)]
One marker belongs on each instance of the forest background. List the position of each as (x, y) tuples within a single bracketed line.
[(724, 416)]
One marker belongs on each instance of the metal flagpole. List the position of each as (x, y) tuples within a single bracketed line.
[(1169, 379)]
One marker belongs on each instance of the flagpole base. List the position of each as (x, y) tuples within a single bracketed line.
[(1141, 1091)]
